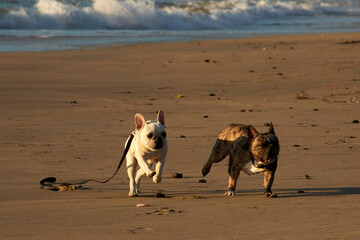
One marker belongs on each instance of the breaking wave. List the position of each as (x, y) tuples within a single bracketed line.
[(148, 14)]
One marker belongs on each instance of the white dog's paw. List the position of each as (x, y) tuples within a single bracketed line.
[(150, 174), (156, 179), (137, 189), (133, 193), (230, 193)]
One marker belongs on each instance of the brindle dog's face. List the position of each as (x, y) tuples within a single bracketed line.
[(264, 147)]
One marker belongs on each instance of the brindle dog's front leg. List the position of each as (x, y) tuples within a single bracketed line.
[(269, 176), (233, 177)]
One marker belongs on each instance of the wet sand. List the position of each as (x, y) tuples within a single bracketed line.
[(68, 114)]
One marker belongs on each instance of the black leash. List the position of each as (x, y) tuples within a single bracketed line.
[(46, 181)]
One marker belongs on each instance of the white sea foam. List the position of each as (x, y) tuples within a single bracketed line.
[(147, 14)]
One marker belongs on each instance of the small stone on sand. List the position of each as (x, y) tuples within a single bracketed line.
[(142, 205), (302, 95), (177, 175), (160, 195), (307, 176)]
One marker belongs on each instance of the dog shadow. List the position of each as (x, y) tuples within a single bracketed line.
[(281, 193), (315, 192), (304, 192)]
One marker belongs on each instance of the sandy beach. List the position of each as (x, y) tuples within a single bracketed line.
[(67, 114)]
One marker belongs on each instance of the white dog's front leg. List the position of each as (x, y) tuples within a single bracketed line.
[(144, 166), (131, 165), (139, 174), (158, 168)]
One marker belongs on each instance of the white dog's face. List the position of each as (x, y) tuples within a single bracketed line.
[(152, 134)]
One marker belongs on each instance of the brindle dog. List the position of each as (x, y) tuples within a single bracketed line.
[(249, 151)]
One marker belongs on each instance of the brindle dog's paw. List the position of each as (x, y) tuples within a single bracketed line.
[(230, 193), (270, 194)]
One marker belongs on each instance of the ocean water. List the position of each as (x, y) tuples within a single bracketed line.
[(45, 25)]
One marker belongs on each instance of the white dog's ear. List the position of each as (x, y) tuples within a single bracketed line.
[(252, 132), (139, 121), (161, 117)]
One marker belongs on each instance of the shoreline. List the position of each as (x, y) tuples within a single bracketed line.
[(67, 114), (76, 44)]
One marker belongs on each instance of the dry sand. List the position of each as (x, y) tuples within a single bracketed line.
[(44, 134)]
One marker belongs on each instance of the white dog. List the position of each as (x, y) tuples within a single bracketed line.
[(148, 146)]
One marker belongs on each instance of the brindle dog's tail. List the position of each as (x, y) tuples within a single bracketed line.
[(220, 150)]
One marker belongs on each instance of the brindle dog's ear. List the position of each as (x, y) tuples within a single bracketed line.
[(271, 129), (252, 132)]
